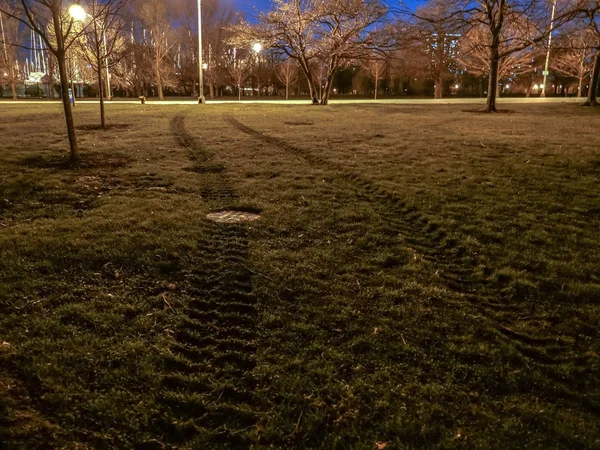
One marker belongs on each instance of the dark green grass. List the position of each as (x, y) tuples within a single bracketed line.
[(420, 277)]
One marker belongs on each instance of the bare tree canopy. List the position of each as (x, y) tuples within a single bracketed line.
[(509, 26), (335, 31)]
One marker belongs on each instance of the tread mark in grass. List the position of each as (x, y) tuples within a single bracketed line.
[(214, 186), (207, 389), (457, 266)]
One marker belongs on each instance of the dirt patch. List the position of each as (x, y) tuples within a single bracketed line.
[(296, 124), (232, 216)]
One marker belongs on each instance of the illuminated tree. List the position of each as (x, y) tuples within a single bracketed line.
[(376, 67), (509, 26), (336, 31), (573, 56), (157, 20), (287, 74), (101, 43), (9, 42), (41, 16), (475, 57)]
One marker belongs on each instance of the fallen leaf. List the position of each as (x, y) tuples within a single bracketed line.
[(381, 445)]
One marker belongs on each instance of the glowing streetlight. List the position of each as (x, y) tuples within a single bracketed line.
[(257, 47), (78, 13)]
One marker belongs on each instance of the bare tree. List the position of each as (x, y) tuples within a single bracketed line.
[(287, 74), (475, 55), (376, 67), (156, 19), (42, 16), (440, 43), (239, 70), (337, 31), (573, 56), (590, 13), (530, 17), (101, 43), (9, 42)]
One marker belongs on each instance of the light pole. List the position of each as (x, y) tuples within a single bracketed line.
[(257, 47), (543, 94), (79, 14), (201, 99)]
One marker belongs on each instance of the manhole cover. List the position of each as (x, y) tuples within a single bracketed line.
[(232, 216)]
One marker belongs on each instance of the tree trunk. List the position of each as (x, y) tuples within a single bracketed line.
[(439, 88), (159, 85), (287, 91), (64, 86), (211, 90), (239, 93), (310, 80), (328, 87), (101, 94), (580, 88), (493, 82), (13, 88), (593, 90), (376, 87)]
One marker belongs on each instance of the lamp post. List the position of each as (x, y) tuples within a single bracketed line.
[(543, 94), (79, 14), (257, 47), (201, 99)]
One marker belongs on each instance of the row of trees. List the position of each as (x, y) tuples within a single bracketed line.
[(152, 44)]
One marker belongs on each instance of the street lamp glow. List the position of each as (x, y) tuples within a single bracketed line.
[(456, 87), (257, 47), (77, 12), (204, 66)]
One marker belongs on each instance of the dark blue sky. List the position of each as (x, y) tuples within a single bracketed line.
[(251, 6)]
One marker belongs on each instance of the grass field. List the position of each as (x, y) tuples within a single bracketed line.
[(420, 277)]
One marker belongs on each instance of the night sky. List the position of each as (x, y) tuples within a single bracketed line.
[(251, 6)]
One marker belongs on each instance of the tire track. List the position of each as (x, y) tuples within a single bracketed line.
[(457, 269), (207, 386)]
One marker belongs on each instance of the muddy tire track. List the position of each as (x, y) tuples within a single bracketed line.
[(458, 271), (207, 386)]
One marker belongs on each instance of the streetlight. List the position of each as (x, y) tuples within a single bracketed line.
[(546, 73), (78, 13), (201, 99), (257, 47)]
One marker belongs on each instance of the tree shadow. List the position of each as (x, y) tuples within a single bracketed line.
[(95, 127), (86, 161)]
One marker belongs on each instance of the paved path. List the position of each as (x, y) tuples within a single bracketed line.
[(345, 101)]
